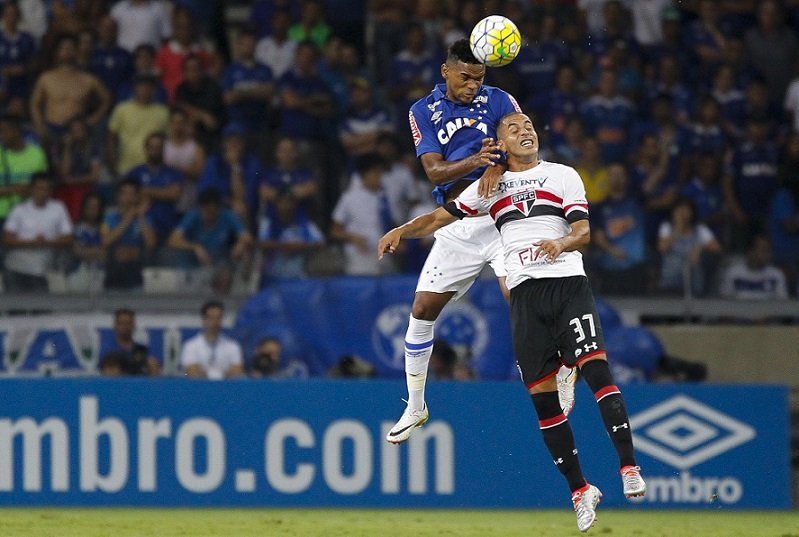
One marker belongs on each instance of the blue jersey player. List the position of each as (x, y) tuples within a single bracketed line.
[(454, 131)]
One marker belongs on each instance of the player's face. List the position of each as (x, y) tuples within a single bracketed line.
[(519, 138), (463, 80)]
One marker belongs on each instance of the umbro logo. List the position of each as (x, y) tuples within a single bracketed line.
[(622, 426), (683, 432)]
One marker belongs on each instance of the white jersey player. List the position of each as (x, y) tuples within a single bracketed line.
[(453, 131), (541, 213)]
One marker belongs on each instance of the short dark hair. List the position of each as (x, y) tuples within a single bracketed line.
[(43, 177), (269, 339), (12, 120), (155, 134), (370, 161), (129, 181), (209, 196), (211, 304), (144, 47), (461, 51), (124, 311)]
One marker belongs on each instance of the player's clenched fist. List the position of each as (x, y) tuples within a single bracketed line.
[(388, 243)]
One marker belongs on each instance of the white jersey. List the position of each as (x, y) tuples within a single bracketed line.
[(530, 206)]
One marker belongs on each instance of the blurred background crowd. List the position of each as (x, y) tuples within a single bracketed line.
[(203, 145)]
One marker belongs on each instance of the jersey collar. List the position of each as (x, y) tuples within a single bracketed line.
[(440, 92)]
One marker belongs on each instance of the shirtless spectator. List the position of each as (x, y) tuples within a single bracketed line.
[(64, 93)]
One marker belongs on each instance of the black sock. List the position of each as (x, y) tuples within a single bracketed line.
[(558, 437), (611, 405)]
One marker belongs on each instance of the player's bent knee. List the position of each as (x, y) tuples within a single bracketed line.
[(600, 356), (547, 385), (427, 306)]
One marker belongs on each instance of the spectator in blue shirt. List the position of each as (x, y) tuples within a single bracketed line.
[(287, 175), (559, 104), (538, 60), (750, 181), (234, 173), (608, 117), (705, 37), (128, 237), (143, 66), (669, 82), (17, 49), (287, 237), (109, 62), (618, 226), (731, 100), (414, 69), (614, 29), (248, 85), (306, 99), (706, 133), (364, 123), (160, 186), (213, 237), (212, 233), (704, 189)]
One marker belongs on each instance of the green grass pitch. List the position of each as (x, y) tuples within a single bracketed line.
[(384, 522)]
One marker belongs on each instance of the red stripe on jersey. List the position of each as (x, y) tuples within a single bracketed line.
[(549, 196), (604, 392), (466, 208), (417, 134), (552, 422), (499, 205), (514, 103), (581, 205)]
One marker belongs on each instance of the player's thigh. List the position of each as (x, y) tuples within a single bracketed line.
[(450, 267), (579, 332), (534, 346)]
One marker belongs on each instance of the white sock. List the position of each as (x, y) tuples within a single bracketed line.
[(418, 348)]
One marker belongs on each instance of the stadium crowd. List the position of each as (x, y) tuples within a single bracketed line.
[(140, 138)]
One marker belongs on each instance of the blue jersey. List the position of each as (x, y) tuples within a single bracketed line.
[(252, 114), (113, 66), (162, 214), (17, 51), (456, 130)]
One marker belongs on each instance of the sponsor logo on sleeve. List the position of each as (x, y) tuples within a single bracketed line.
[(417, 134)]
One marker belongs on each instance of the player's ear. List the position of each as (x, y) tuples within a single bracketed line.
[(444, 71), (501, 145)]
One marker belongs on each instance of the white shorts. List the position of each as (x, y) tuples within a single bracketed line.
[(461, 251)]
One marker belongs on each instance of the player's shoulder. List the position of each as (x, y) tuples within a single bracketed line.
[(425, 102), (559, 169), (492, 90)]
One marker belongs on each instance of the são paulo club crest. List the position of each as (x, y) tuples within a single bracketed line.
[(524, 201), (460, 324)]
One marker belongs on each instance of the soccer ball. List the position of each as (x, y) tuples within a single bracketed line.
[(495, 41)]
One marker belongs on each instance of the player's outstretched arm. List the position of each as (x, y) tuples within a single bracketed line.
[(420, 226), (579, 236), (440, 171)]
